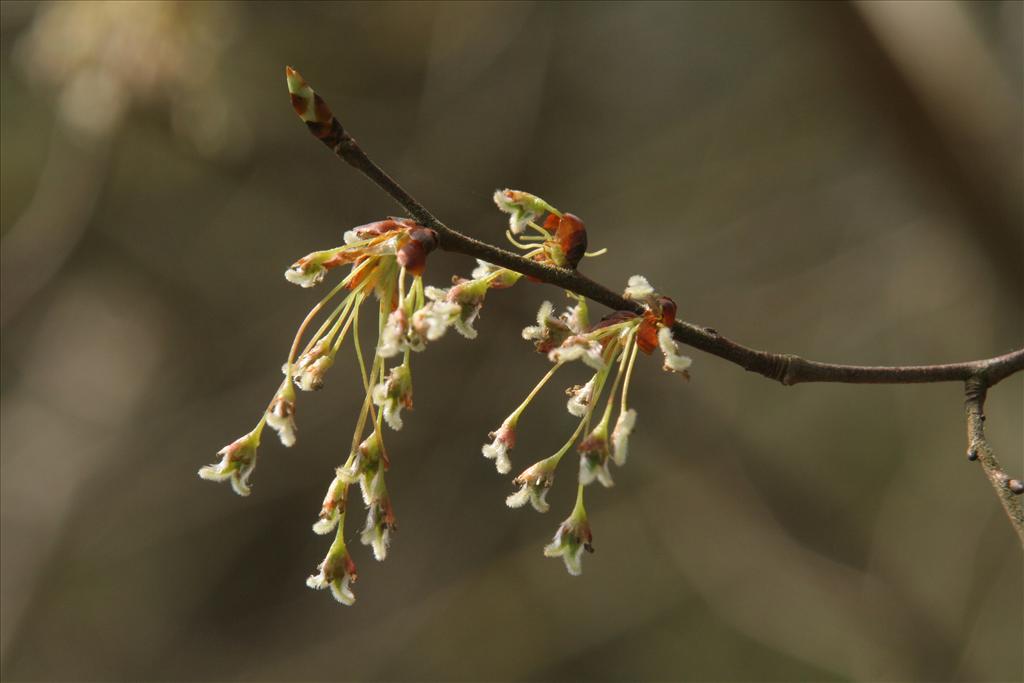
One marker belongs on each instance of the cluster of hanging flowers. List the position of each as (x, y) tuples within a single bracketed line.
[(386, 260), (608, 347)]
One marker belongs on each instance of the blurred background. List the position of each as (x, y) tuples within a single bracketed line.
[(841, 181)]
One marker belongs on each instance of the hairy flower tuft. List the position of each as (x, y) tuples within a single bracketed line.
[(674, 361), (620, 436), (503, 440), (393, 394), (522, 207), (534, 483)]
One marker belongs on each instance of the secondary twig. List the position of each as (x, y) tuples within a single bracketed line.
[(1008, 490)]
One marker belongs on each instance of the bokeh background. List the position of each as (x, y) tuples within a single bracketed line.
[(842, 181)]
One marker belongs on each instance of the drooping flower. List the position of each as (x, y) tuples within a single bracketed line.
[(367, 466), (594, 456), (238, 460), (393, 394), (393, 336), (534, 483), (503, 440), (337, 572), (620, 436), (578, 347), (334, 504), (281, 414), (550, 331), (434, 319), (469, 295), (309, 369), (580, 398), (571, 539), (674, 361), (380, 521)]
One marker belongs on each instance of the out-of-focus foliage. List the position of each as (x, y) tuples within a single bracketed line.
[(799, 176)]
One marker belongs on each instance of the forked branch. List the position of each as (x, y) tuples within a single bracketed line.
[(1008, 490)]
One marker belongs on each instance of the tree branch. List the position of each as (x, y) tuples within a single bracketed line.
[(782, 367), (1008, 490), (788, 369)]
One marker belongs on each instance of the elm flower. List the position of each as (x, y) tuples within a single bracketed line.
[(337, 572), (309, 369), (434, 319), (496, 276), (393, 394), (620, 436), (380, 521), (281, 414), (534, 482), (550, 331), (571, 539), (469, 296), (238, 460), (502, 441), (393, 336), (674, 361), (308, 271), (334, 504), (522, 208), (594, 456), (580, 398), (578, 347), (368, 467)]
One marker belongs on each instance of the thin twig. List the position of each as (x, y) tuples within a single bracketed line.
[(1008, 490)]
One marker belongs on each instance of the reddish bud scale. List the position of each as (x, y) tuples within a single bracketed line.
[(647, 334), (571, 235), (378, 228), (413, 254), (668, 311)]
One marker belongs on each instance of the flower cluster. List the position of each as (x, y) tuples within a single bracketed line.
[(386, 260), (609, 345)]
